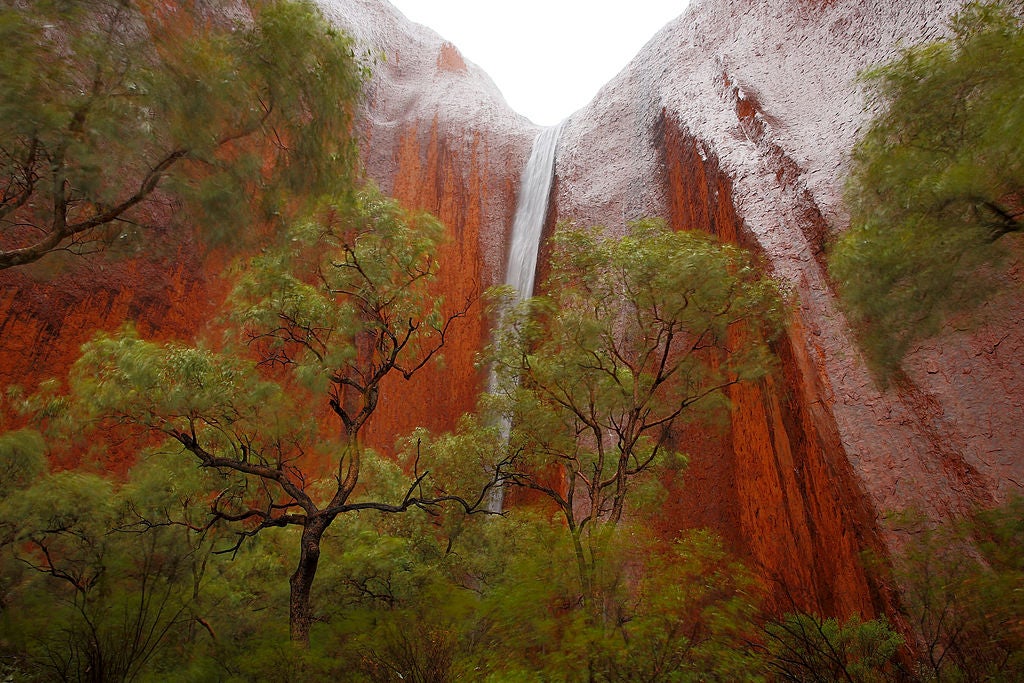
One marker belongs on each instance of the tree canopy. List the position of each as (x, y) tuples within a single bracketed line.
[(321, 322), (261, 430), (108, 105), (112, 581), (936, 183), (634, 336)]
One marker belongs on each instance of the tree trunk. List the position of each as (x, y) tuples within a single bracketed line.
[(584, 569), (300, 615)]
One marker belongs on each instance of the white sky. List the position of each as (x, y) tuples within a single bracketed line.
[(548, 57)]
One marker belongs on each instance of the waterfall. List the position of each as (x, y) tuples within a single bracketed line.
[(531, 210)]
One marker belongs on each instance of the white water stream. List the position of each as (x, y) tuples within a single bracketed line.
[(531, 210)]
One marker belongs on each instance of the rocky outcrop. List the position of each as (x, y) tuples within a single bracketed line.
[(797, 510), (436, 134), (736, 119), (439, 136)]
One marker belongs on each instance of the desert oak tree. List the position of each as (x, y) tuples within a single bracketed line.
[(634, 336), (109, 105), (936, 184), (323, 322)]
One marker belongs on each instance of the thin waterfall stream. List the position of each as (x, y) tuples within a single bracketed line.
[(527, 227), (531, 210)]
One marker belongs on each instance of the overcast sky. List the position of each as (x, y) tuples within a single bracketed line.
[(549, 57)]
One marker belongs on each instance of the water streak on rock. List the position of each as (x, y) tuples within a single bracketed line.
[(531, 210)]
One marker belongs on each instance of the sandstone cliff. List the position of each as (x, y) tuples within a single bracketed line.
[(436, 133), (439, 136), (736, 119)]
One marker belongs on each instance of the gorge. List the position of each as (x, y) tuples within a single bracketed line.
[(527, 228), (735, 119)]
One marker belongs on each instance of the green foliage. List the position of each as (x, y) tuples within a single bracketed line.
[(676, 613), (180, 390), (106, 104), (341, 305), (101, 594), (635, 336), (316, 325), (935, 184), (805, 647), (22, 460), (347, 298), (427, 599), (463, 460), (999, 533), (686, 616), (967, 610), (654, 325), (496, 599)]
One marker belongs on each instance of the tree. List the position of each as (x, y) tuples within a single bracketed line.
[(326, 319), (806, 647), (22, 460), (102, 593), (963, 591), (686, 617), (107, 106), (936, 183), (635, 336), (494, 598)]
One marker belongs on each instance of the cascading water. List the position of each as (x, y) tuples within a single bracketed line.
[(531, 210)]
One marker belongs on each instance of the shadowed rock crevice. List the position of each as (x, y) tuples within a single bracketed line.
[(796, 507), (735, 119)]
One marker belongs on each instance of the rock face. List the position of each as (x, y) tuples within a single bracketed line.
[(735, 119), (437, 135), (48, 310)]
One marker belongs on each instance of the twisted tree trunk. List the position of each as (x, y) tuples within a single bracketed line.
[(300, 614)]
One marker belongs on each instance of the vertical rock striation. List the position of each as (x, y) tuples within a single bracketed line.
[(439, 136), (736, 119), (436, 134)]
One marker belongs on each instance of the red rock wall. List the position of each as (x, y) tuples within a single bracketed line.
[(734, 120), (453, 180), (432, 157), (793, 503), (775, 482), (439, 137), (48, 310), (737, 118)]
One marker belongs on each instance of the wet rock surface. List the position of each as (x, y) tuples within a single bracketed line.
[(735, 119)]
